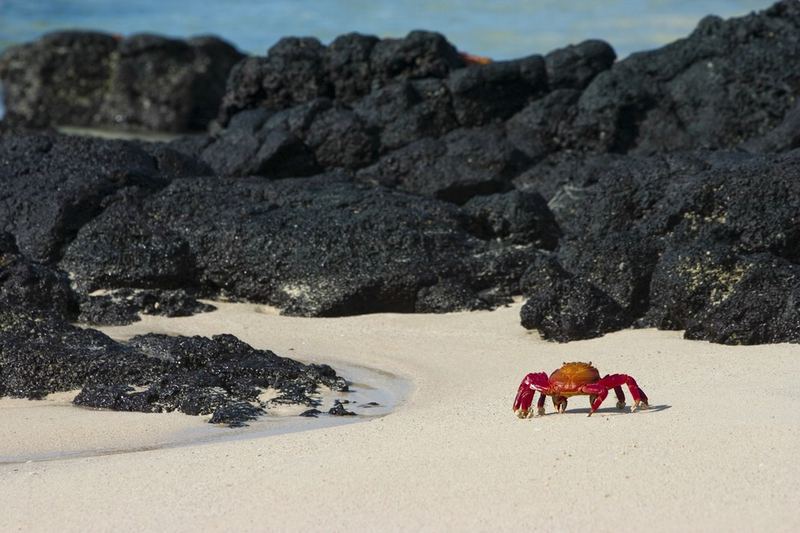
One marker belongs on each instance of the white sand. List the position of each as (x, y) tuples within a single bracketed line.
[(719, 451)]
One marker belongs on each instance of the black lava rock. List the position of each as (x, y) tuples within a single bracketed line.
[(53, 184), (300, 70), (725, 83), (236, 414), (405, 111), (544, 126), (94, 79), (122, 306), (572, 309), (656, 190), (574, 66), (348, 65), (296, 142), (756, 302), (520, 217), (32, 287), (448, 296), (669, 239), (338, 409), (323, 246), (40, 354), (60, 79), (221, 376), (421, 54), (456, 167), (493, 92)]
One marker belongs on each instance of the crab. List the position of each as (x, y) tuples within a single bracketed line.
[(574, 379)]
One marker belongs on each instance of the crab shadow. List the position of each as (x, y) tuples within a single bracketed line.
[(612, 410)]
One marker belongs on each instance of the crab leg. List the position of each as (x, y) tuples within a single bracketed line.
[(560, 403), (620, 397), (614, 381), (638, 395), (540, 404), (530, 384), (599, 391)]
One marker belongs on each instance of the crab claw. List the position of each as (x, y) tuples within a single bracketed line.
[(641, 404), (530, 384)]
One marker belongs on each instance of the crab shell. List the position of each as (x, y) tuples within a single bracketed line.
[(568, 380)]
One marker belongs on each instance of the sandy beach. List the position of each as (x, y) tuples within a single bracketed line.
[(716, 451)]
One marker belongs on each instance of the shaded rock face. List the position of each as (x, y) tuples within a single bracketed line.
[(93, 79), (31, 286), (702, 242), (301, 141), (455, 168), (730, 83), (51, 185), (323, 246)]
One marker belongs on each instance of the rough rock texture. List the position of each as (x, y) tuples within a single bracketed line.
[(680, 242), (31, 286), (221, 376), (94, 79), (405, 111), (40, 354), (572, 309), (493, 92), (521, 217), (763, 305), (299, 70), (730, 80), (456, 167), (51, 185), (122, 306), (321, 246), (60, 79), (297, 142), (574, 66)]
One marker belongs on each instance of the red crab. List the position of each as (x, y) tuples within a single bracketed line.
[(574, 379)]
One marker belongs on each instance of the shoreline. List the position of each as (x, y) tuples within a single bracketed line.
[(49, 420), (454, 455)]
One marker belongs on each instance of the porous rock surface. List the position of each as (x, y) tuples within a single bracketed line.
[(93, 79), (123, 306), (706, 242), (51, 185), (31, 286), (222, 376), (391, 175), (322, 246)]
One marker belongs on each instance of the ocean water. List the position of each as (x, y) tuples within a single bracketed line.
[(501, 29)]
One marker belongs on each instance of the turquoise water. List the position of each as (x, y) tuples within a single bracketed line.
[(501, 29)]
